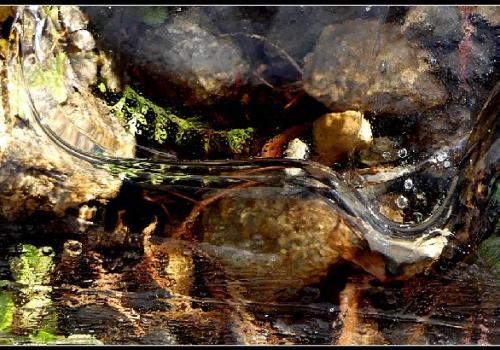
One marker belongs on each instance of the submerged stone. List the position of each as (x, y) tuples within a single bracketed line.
[(344, 70)]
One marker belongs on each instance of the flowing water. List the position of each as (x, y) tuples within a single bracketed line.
[(400, 244)]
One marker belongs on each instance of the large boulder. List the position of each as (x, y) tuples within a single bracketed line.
[(35, 173), (366, 66)]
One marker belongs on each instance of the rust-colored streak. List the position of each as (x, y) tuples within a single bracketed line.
[(274, 147), (465, 45)]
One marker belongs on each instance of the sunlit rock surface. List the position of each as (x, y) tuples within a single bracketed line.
[(35, 173)]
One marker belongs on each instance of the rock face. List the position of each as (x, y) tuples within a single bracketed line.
[(365, 66), (35, 173)]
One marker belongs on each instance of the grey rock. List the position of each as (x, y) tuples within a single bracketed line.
[(365, 66), (72, 18), (190, 62), (85, 66), (83, 40), (183, 59)]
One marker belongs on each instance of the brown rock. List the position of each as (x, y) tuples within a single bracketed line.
[(272, 241), (36, 174), (335, 135), (490, 13), (365, 66)]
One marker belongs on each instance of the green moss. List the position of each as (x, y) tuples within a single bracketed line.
[(50, 76), (164, 127), (32, 267), (43, 337), (236, 138), (6, 311), (489, 251)]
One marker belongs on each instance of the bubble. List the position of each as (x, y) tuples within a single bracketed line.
[(402, 202), (386, 155), (432, 61), (446, 164), (368, 8), (408, 184), (402, 153)]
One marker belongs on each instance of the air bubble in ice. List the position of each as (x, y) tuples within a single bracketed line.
[(403, 152), (386, 155), (446, 164), (408, 184), (402, 202)]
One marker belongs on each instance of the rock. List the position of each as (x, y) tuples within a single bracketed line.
[(83, 40), (295, 29), (297, 149), (433, 25), (480, 60), (273, 241), (464, 48), (365, 66), (85, 66), (183, 59), (490, 13), (108, 71), (335, 135), (198, 66), (36, 175), (449, 126), (238, 20), (72, 18)]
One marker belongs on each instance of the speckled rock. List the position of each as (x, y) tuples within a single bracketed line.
[(191, 57), (436, 24), (365, 66), (272, 241)]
